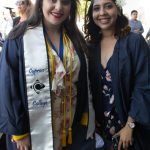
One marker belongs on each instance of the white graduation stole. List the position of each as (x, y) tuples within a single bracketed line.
[(38, 89)]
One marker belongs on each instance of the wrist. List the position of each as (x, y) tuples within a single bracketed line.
[(19, 137), (130, 124)]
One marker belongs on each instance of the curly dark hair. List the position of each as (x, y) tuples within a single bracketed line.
[(92, 31)]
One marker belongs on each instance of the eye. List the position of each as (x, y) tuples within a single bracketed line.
[(66, 2), (54, 1), (96, 8), (108, 5)]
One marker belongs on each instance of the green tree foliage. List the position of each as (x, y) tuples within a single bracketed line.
[(83, 5), (82, 8)]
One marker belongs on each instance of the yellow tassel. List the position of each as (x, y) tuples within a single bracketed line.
[(69, 136), (63, 138)]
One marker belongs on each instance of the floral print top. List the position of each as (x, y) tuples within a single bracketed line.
[(112, 123), (59, 89)]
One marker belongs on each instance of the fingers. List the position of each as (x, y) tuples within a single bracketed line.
[(23, 144), (26, 148), (23, 148), (131, 143), (124, 144), (120, 144), (19, 147)]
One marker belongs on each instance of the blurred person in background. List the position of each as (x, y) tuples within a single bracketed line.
[(1, 42), (12, 13), (148, 37), (5, 23), (136, 25), (24, 8)]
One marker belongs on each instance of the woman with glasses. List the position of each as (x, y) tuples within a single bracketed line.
[(24, 8), (45, 100)]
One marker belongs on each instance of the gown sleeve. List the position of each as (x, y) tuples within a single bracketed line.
[(13, 107), (140, 99)]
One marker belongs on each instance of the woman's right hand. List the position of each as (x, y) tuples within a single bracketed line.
[(23, 144)]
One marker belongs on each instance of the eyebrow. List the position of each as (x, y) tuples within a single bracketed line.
[(103, 4)]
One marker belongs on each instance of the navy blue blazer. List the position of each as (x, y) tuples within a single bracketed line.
[(130, 71)]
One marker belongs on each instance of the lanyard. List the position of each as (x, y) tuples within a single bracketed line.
[(61, 46), (63, 50)]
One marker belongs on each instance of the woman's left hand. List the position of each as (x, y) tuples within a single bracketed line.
[(125, 137)]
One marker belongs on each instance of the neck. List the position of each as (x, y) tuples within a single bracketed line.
[(54, 34), (108, 34), (52, 29), (23, 17), (134, 19)]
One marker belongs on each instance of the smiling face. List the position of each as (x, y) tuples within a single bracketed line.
[(105, 14), (55, 11)]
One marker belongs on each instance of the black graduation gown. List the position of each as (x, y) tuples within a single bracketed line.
[(130, 71), (13, 98)]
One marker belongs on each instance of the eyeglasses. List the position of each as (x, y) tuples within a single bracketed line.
[(20, 3)]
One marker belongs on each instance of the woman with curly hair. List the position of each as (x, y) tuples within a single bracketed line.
[(120, 77), (45, 101)]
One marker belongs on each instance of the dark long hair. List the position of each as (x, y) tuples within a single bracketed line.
[(69, 24), (29, 7), (92, 31)]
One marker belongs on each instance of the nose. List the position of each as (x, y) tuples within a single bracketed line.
[(102, 11), (58, 5)]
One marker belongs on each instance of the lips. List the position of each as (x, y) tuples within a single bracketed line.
[(56, 15), (104, 20)]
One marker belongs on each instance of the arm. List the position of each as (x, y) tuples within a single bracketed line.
[(142, 29), (13, 119), (139, 111), (140, 102)]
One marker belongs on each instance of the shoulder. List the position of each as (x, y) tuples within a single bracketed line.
[(135, 43), (12, 52), (16, 20), (139, 21), (133, 38), (130, 21), (14, 43), (12, 47)]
